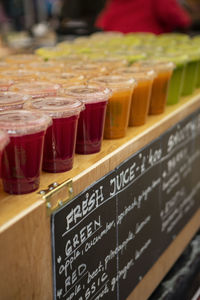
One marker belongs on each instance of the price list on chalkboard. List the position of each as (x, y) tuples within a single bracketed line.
[(106, 239)]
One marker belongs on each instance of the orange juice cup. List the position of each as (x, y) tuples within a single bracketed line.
[(21, 59), (89, 70), (160, 85), (19, 75), (111, 63), (141, 95), (118, 109), (64, 79), (36, 89)]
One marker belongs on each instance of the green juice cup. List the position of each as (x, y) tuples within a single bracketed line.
[(191, 71)]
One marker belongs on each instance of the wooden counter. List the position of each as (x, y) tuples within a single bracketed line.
[(25, 243)]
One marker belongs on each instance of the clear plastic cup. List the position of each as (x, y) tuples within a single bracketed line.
[(63, 79), (160, 85), (49, 66), (91, 121), (141, 95), (191, 74), (119, 104), (12, 101), (89, 70), (18, 75), (4, 140), (22, 157), (21, 59), (60, 139), (111, 63), (176, 81), (36, 89)]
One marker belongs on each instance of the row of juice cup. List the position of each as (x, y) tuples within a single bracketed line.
[(132, 93)]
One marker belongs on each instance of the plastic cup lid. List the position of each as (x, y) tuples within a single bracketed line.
[(23, 122), (10, 100), (22, 58), (58, 107), (4, 139), (19, 75), (138, 75), (36, 89), (157, 65), (89, 93), (116, 82)]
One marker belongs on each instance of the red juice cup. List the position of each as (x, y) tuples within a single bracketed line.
[(60, 139), (36, 89), (4, 140), (12, 101), (92, 119), (22, 157)]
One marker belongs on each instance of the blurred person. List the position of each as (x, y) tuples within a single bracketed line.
[(156, 16)]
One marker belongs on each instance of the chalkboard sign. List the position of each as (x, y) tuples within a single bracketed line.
[(106, 239)]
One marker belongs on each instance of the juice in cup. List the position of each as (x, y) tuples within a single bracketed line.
[(91, 120), (4, 140), (63, 79), (12, 101), (198, 76), (160, 85), (176, 81), (36, 89), (22, 157), (21, 59), (18, 75), (119, 104), (141, 95), (190, 77), (60, 139)]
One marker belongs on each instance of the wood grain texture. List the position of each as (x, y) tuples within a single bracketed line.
[(25, 258)]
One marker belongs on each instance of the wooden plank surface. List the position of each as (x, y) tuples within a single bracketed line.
[(151, 280), (89, 168)]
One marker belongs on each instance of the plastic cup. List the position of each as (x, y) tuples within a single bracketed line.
[(4, 140), (111, 63), (160, 85), (176, 81), (91, 120), (60, 139), (63, 79), (141, 95), (198, 76), (12, 101), (18, 75), (36, 89), (51, 66), (89, 70), (21, 59), (119, 104), (190, 77), (22, 157)]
